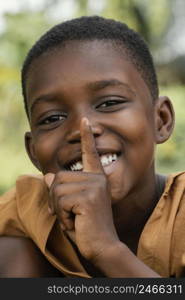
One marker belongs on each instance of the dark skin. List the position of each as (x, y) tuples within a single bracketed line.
[(93, 102), (19, 257)]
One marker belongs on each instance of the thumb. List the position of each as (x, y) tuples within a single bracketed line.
[(48, 178)]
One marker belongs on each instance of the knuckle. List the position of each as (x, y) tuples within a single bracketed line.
[(57, 192), (100, 180), (59, 176), (60, 204), (65, 204), (89, 199)]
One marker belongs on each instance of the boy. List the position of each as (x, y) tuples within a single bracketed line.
[(91, 98)]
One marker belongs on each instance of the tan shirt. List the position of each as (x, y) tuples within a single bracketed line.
[(24, 212)]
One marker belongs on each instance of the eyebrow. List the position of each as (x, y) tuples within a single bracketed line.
[(101, 84), (94, 86), (43, 98)]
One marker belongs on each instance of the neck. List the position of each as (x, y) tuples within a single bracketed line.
[(131, 214)]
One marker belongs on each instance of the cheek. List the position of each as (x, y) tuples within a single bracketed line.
[(45, 152), (138, 128), (140, 145)]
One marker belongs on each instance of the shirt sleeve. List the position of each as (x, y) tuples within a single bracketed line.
[(24, 213), (10, 223)]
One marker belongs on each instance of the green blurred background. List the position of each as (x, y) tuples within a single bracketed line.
[(161, 23)]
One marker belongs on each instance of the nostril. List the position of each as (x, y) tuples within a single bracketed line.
[(74, 141), (97, 130), (96, 135)]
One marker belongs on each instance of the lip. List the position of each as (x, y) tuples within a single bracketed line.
[(109, 169), (78, 155)]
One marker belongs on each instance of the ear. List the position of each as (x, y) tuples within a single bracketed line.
[(164, 119), (29, 145)]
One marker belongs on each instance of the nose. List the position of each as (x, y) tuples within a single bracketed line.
[(74, 134)]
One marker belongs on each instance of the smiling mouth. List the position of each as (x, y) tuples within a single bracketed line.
[(106, 160)]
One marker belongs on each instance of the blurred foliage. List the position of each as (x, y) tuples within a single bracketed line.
[(25, 27), (15, 42), (142, 17)]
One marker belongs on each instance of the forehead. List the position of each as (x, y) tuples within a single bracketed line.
[(77, 64)]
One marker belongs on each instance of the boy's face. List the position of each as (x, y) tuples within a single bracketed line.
[(91, 79)]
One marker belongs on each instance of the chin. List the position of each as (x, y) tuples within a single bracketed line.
[(117, 195)]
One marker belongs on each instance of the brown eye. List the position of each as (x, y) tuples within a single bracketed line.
[(52, 119), (110, 105)]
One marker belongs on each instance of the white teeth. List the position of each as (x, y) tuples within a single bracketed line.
[(77, 166), (106, 159)]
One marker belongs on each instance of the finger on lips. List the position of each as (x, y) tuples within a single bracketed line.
[(64, 183), (90, 158)]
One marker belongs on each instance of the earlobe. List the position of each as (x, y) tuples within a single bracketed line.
[(29, 145), (164, 119)]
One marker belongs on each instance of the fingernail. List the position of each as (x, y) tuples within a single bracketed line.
[(49, 177), (86, 121), (50, 211)]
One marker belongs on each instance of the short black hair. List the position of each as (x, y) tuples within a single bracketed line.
[(96, 28)]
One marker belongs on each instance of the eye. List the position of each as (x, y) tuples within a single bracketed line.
[(52, 120), (110, 105)]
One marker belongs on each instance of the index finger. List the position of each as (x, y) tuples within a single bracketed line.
[(90, 158)]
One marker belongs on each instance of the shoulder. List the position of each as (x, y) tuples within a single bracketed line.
[(27, 181), (24, 209), (179, 177), (30, 189), (175, 184), (176, 195), (24, 183)]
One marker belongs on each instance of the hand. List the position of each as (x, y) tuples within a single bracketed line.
[(82, 201)]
